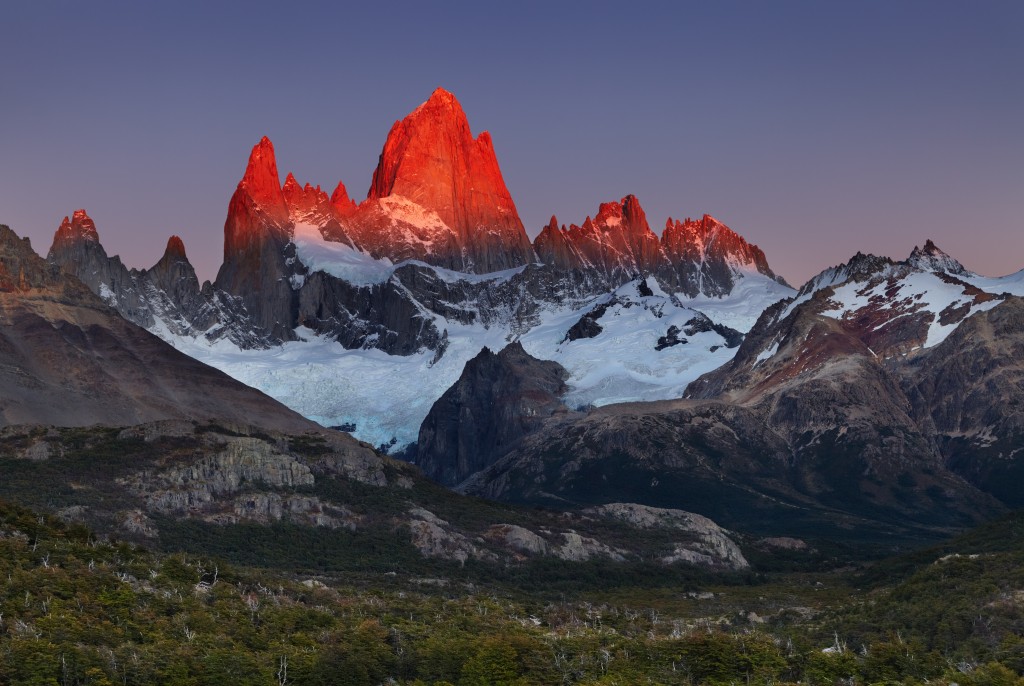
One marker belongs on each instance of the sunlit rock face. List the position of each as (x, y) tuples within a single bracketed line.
[(691, 257), (432, 164), (705, 256)]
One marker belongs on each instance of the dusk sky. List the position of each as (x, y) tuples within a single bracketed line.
[(814, 129)]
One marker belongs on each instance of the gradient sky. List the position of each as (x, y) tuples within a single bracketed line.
[(814, 129)]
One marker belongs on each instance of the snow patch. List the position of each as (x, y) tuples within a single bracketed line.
[(106, 294), (402, 209), (338, 259), (916, 293), (767, 353)]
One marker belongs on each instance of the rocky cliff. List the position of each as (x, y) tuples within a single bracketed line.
[(258, 265), (151, 482), (498, 399), (707, 257)]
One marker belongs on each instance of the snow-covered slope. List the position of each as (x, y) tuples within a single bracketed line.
[(943, 300), (383, 398), (898, 308), (1012, 283), (338, 259)]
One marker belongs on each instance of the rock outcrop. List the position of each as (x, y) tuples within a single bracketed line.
[(498, 399), (239, 483), (711, 546), (434, 537)]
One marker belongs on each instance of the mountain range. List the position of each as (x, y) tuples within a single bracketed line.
[(600, 362), (431, 267)]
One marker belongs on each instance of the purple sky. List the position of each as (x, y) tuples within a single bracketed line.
[(814, 129)]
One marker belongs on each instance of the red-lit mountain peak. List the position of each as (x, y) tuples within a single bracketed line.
[(708, 241), (175, 248), (342, 203), (424, 155), (290, 186), (311, 205), (257, 208), (618, 239), (261, 180), (553, 246), (80, 227), (626, 213), (431, 159), (302, 200)]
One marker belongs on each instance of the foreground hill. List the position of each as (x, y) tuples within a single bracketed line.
[(71, 360)]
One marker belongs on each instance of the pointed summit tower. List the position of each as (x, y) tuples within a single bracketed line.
[(257, 230), (932, 258), (257, 209), (77, 249), (174, 274), (80, 227), (432, 160)]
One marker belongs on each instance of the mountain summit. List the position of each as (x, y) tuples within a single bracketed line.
[(691, 257), (431, 163), (80, 227), (258, 206), (933, 258)]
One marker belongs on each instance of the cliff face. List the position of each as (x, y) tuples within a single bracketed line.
[(257, 233), (969, 390)]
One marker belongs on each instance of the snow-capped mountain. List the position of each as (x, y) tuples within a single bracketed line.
[(885, 394), (335, 307), (883, 390)]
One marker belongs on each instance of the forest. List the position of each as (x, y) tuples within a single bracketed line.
[(78, 610)]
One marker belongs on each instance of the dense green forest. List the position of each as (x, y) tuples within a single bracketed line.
[(75, 610)]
